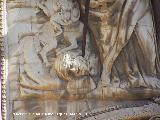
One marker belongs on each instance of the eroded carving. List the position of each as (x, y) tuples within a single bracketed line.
[(51, 65)]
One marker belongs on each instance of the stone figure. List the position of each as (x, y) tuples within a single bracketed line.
[(120, 60), (61, 25), (62, 15), (117, 22)]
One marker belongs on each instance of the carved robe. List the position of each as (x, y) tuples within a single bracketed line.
[(114, 24)]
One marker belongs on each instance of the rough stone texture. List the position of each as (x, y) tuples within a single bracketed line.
[(47, 73)]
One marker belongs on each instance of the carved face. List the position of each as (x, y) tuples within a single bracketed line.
[(74, 64), (66, 12), (69, 66), (75, 70)]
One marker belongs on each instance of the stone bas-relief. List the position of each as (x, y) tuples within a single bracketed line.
[(117, 78)]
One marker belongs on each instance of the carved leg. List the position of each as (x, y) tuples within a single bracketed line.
[(118, 38), (146, 38), (72, 46), (72, 38), (105, 77), (147, 41)]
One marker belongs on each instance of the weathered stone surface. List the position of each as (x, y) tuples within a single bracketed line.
[(47, 70)]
